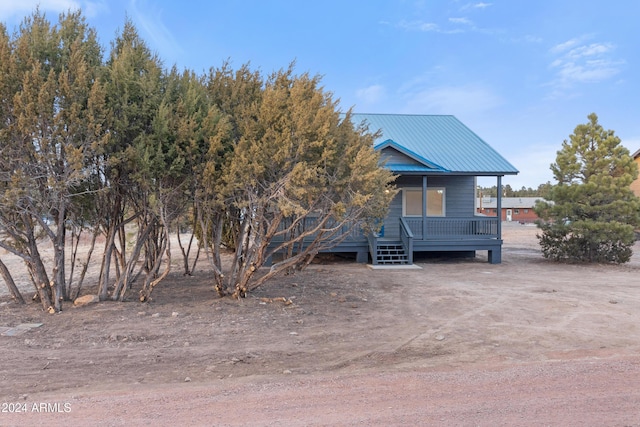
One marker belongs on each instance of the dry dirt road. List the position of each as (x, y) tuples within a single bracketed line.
[(457, 342)]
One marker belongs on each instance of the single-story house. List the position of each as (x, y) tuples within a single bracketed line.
[(437, 160), (518, 209), (635, 185)]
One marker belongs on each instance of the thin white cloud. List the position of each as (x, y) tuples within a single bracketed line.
[(577, 62), (371, 95), (594, 49), (17, 9), (151, 22), (588, 72), (94, 8), (464, 21), (562, 47), (427, 27), (529, 38), (453, 24), (457, 100), (12, 9), (479, 5), (419, 26)]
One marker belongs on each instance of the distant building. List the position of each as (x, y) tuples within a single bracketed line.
[(635, 185), (518, 209)]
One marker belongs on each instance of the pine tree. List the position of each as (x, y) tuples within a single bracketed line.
[(593, 212)]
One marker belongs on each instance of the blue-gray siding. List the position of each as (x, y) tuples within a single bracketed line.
[(459, 198), (392, 156)]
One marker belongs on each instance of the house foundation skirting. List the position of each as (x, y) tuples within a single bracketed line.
[(492, 246)]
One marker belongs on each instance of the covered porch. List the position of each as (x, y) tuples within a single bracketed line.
[(436, 213), (437, 234), (446, 222)]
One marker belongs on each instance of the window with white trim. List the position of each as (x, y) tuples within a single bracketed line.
[(412, 202), (435, 202)]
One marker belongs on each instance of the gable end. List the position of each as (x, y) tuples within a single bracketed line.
[(398, 158)]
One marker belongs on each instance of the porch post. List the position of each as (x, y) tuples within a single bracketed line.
[(499, 206), (424, 207)]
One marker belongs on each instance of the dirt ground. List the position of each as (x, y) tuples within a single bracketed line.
[(457, 342)]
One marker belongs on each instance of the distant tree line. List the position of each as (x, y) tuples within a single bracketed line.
[(116, 146), (508, 191)]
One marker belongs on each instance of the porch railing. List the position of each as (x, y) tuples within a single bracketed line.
[(347, 232), (453, 228), (406, 236), (413, 229), (372, 239)]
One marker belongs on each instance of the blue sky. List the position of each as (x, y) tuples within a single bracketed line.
[(521, 74)]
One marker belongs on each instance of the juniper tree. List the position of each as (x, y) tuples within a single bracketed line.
[(300, 171), (123, 142), (167, 171), (133, 89), (591, 212), (231, 94), (51, 109), (191, 114)]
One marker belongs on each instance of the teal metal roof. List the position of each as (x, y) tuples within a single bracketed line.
[(442, 143)]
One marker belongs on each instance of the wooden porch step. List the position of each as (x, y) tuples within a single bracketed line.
[(391, 253)]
